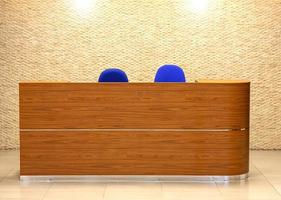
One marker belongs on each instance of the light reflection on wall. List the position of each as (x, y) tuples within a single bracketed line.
[(198, 6), (83, 7)]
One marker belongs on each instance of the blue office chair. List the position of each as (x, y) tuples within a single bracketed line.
[(113, 75), (170, 73)]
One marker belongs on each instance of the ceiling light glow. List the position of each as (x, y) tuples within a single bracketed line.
[(198, 6), (83, 6)]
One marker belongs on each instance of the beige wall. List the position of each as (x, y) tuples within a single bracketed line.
[(232, 39)]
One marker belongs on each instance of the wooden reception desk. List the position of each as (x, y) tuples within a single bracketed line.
[(134, 128)]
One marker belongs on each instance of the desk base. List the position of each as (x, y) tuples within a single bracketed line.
[(133, 178)]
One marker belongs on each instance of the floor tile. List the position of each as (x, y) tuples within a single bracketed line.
[(190, 190), (254, 173), (138, 191), (4, 173), (275, 181), (17, 190), (12, 176), (251, 198), (267, 162), (75, 191), (251, 189)]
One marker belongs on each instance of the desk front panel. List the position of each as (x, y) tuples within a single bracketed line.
[(134, 153), (134, 106)]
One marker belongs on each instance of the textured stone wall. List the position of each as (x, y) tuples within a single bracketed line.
[(72, 41)]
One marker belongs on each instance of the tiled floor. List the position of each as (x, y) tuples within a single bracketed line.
[(264, 183)]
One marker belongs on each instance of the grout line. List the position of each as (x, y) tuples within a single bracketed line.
[(105, 188), (220, 192), (47, 190), (162, 192), (279, 194)]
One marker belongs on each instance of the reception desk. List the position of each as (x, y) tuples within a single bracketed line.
[(198, 129)]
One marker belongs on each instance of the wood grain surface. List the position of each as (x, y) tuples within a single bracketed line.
[(134, 105), (91, 123), (134, 153)]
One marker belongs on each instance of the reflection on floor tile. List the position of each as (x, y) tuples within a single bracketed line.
[(76, 191), (133, 191), (17, 190), (190, 190), (252, 189)]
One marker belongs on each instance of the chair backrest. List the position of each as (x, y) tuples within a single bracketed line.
[(170, 73), (113, 75)]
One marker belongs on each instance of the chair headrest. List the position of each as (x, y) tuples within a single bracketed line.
[(113, 75), (170, 73)]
